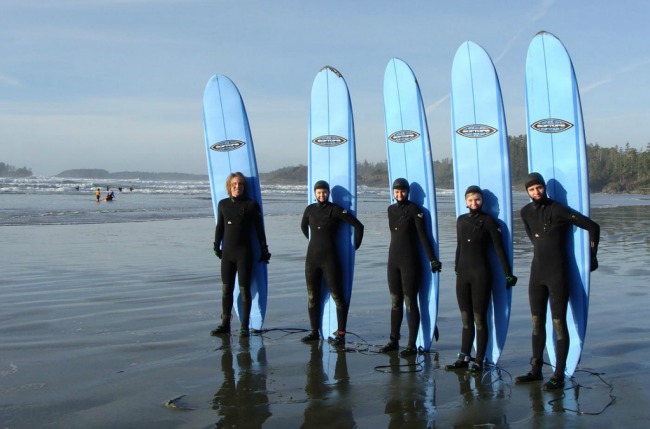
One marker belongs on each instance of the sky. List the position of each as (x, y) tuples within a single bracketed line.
[(118, 84)]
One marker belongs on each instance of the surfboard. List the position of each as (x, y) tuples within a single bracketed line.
[(409, 156), (332, 157), (229, 148), (480, 154), (557, 150)]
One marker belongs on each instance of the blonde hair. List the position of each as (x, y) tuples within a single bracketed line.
[(230, 178)]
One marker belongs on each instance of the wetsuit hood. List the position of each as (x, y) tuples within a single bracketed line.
[(474, 190), (534, 179), (401, 183), (321, 184)]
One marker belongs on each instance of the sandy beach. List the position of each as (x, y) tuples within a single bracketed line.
[(107, 325)]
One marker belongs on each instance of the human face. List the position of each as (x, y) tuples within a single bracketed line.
[(237, 187), (474, 201), (322, 195), (536, 192), (400, 194)]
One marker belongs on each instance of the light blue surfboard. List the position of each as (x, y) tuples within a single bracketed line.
[(480, 154), (557, 150), (332, 157), (409, 156), (229, 148)]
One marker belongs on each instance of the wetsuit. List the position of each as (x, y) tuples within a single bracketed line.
[(548, 225), (407, 227), (475, 232), (237, 219), (321, 221)]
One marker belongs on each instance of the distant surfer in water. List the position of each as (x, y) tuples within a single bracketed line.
[(320, 223), (476, 231), (407, 226), (237, 218), (548, 225)]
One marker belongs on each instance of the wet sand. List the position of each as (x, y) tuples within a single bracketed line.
[(108, 326)]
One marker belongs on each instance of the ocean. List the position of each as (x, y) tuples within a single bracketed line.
[(106, 310)]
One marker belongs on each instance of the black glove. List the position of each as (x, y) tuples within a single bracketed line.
[(511, 281), (265, 256), (594, 262), (217, 251), (436, 266)]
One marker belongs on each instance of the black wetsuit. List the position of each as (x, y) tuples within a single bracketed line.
[(548, 225), (475, 233), (237, 219), (407, 227), (322, 221)]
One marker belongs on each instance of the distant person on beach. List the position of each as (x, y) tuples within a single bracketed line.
[(320, 223), (110, 196), (119, 189), (237, 218), (98, 194), (476, 232), (131, 189), (548, 225), (407, 226)]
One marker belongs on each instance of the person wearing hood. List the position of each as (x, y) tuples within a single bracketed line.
[(476, 232), (237, 218), (407, 227), (548, 225), (320, 223)]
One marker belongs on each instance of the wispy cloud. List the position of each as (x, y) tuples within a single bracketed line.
[(538, 14), (435, 105), (542, 10), (9, 81), (614, 75)]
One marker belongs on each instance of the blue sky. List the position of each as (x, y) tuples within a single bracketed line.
[(118, 84)]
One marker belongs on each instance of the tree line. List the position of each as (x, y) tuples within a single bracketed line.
[(7, 170), (612, 170)]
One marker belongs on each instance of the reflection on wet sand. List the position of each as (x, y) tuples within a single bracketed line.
[(242, 400), (328, 389), (411, 398)]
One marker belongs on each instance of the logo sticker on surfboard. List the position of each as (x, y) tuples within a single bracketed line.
[(476, 131), (329, 140), (404, 136), (551, 125), (227, 145)]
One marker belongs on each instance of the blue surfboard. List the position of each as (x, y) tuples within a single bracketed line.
[(332, 157), (480, 154), (557, 150), (409, 156), (229, 148)]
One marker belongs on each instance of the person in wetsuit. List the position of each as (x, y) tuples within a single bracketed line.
[(548, 225), (476, 231), (237, 218), (407, 226), (320, 223)]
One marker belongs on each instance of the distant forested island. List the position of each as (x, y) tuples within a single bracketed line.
[(7, 170), (96, 173), (611, 170)]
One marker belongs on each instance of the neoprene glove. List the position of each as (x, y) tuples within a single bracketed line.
[(511, 281), (436, 266), (265, 256), (594, 262), (218, 253)]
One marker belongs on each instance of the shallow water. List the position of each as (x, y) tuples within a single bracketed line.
[(104, 318)]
